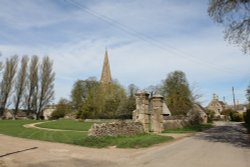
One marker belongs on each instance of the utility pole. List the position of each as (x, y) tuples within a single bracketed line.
[(234, 98)]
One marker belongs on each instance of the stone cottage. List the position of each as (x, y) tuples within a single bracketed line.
[(48, 110), (216, 105)]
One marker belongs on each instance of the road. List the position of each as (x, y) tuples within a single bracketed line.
[(226, 145)]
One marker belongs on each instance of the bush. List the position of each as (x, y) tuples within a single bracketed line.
[(246, 116), (63, 107), (227, 112), (210, 116), (236, 117)]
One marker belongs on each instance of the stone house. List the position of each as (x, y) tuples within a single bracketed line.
[(216, 105), (48, 110), (198, 109)]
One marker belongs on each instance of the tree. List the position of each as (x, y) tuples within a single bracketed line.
[(20, 84), (7, 81), (235, 16), (46, 84), (128, 105), (77, 96), (92, 99), (32, 84), (114, 96), (62, 108), (83, 91), (177, 93), (248, 93)]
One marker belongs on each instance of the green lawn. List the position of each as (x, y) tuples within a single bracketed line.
[(15, 128), (190, 129), (67, 125)]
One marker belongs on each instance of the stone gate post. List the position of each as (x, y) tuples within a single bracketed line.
[(141, 114), (157, 113)]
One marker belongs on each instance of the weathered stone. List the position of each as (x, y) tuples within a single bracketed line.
[(119, 128), (141, 114), (149, 111), (157, 113)]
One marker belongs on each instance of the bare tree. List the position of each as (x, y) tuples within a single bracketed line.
[(235, 15), (20, 84), (7, 81), (32, 84), (46, 91)]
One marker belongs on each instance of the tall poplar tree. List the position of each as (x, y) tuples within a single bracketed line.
[(46, 84), (10, 69), (20, 84)]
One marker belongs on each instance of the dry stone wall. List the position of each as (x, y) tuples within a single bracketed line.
[(119, 128)]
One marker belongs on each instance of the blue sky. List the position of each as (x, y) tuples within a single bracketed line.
[(146, 40)]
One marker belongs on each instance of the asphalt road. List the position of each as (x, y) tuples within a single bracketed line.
[(226, 145)]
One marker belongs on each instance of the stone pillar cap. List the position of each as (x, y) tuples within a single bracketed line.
[(142, 92), (158, 96)]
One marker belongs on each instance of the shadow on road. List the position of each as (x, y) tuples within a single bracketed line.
[(235, 134), (15, 152)]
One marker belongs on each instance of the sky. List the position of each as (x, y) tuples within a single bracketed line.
[(145, 39)]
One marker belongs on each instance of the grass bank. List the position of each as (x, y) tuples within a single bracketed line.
[(67, 125), (190, 129), (15, 128)]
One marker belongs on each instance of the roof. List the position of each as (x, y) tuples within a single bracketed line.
[(165, 109)]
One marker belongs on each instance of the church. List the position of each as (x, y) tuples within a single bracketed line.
[(106, 73)]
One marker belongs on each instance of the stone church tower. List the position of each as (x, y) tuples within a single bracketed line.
[(106, 73)]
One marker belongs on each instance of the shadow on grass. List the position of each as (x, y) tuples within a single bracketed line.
[(235, 134)]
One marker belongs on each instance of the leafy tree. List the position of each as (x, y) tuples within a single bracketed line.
[(128, 105), (7, 81), (114, 95), (77, 95), (20, 84), (46, 91), (92, 99), (177, 93), (235, 15)]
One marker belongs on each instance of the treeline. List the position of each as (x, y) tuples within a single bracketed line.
[(95, 100), (26, 84), (92, 99)]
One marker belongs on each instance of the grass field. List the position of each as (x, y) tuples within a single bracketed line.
[(67, 125), (190, 129), (15, 128)]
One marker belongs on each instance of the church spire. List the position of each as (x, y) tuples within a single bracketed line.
[(106, 74)]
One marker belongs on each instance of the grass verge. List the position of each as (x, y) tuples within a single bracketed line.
[(138, 141), (15, 128), (67, 125), (190, 129)]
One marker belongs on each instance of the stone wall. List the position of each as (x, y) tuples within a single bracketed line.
[(106, 120), (119, 128), (174, 124)]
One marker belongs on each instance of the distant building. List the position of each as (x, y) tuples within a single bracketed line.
[(48, 110), (197, 108), (21, 114), (216, 105)]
